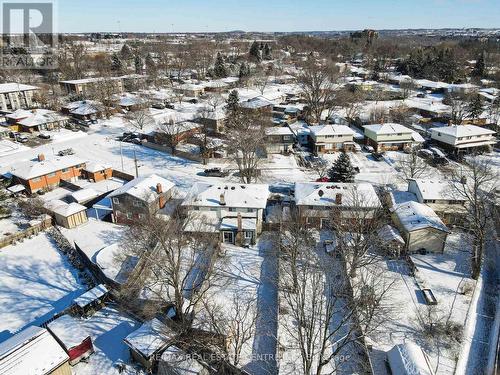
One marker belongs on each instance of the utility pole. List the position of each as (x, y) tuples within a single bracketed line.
[(136, 166), (121, 155)]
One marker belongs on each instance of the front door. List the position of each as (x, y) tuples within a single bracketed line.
[(228, 237)]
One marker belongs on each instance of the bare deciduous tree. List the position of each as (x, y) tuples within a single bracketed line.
[(411, 165), (246, 139), (139, 119), (476, 183)]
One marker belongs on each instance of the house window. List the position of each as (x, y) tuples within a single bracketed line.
[(116, 201), (232, 209), (52, 174), (36, 179), (439, 134), (248, 234), (136, 203), (250, 210), (129, 215), (64, 170)]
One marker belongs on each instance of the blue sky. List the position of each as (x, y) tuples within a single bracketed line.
[(272, 15)]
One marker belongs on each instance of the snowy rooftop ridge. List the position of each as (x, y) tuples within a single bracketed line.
[(415, 216), (34, 168), (319, 130), (463, 130), (14, 87), (387, 128), (203, 194), (32, 351), (325, 194), (151, 337), (144, 187)]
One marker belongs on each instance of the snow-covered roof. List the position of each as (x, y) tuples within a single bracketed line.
[(32, 351), (91, 295), (14, 87), (409, 359), (325, 194), (388, 128), (34, 168), (151, 337), (415, 216), (128, 101), (144, 187), (85, 195), (67, 331), (64, 209), (35, 117), (107, 260), (300, 128), (459, 131), (181, 364), (93, 167), (279, 130), (203, 194), (90, 80), (320, 130), (436, 190), (256, 103), (431, 84), (388, 233), (85, 109)]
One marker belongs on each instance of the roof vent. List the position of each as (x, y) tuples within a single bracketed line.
[(243, 186), (321, 193), (232, 188)]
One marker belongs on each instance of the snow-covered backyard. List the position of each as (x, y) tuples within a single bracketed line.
[(36, 282)]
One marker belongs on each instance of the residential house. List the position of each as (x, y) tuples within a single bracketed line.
[(257, 104), (420, 226), (84, 110), (140, 197), (464, 138), (76, 342), (190, 90), (175, 132), (216, 85), (214, 121), (86, 86), (132, 103), (302, 132), (97, 171), (41, 174), (331, 138), (390, 136), (67, 215), (233, 212), (280, 139), (35, 120), (441, 197), (148, 342), (16, 96), (315, 201), (33, 351)]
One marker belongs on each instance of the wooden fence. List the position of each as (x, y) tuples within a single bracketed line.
[(33, 230)]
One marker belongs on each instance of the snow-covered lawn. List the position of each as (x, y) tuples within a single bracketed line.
[(444, 274), (8, 147), (108, 327), (36, 282)]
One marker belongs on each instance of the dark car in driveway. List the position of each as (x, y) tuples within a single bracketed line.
[(215, 172), (378, 156)]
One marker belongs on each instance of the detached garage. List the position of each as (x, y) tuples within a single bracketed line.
[(421, 227)]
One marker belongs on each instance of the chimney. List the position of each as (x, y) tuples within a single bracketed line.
[(159, 188), (338, 198), (162, 201), (41, 157), (222, 200), (240, 223)]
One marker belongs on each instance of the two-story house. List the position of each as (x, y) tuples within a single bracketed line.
[(390, 136), (280, 139), (234, 212), (441, 197), (86, 86), (331, 138), (463, 138), (35, 120), (316, 201), (140, 197), (16, 96), (41, 174)]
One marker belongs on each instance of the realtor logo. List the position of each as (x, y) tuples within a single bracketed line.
[(28, 36)]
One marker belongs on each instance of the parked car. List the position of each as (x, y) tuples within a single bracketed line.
[(323, 179), (21, 138), (426, 154), (378, 156), (44, 136), (215, 172), (368, 148), (158, 105), (66, 151), (13, 134)]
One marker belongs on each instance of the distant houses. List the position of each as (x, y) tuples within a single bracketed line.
[(35, 120), (87, 86)]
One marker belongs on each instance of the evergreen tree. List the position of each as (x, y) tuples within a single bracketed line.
[(267, 52), (255, 53), (150, 64), (126, 52), (233, 101), (117, 64), (342, 170), (475, 107), (244, 70), (219, 67), (480, 67), (138, 64)]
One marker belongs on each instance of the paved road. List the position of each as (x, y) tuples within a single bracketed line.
[(480, 346)]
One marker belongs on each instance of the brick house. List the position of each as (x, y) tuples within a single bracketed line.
[(41, 174), (97, 171), (140, 197)]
